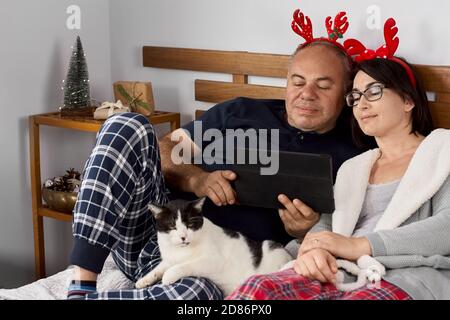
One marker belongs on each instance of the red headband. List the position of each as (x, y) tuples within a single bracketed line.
[(386, 51), (303, 27)]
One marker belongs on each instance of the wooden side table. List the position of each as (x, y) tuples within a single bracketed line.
[(39, 210)]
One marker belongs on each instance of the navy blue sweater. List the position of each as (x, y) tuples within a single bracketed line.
[(244, 113)]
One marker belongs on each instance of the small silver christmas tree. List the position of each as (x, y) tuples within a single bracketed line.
[(77, 96)]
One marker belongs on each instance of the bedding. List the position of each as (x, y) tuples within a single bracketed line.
[(55, 286)]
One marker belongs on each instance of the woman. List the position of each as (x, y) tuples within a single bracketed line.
[(392, 203)]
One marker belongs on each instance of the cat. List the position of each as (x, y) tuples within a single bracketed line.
[(191, 245)]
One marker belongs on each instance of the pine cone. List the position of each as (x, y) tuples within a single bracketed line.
[(72, 174), (49, 184), (70, 182), (73, 184)]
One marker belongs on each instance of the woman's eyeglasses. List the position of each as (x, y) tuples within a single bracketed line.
[(372, 93)]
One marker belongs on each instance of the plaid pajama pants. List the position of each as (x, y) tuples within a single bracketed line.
[(288, 285), (121, 177)]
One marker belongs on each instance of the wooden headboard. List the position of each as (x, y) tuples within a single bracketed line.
[(241, 65)]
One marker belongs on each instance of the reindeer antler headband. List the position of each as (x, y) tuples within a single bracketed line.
[(303, 27), (386, 51), (353, 48)]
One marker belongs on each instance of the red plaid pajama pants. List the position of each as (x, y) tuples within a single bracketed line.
[(288, 285)]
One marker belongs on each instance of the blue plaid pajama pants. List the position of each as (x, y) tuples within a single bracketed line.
[(121, 177)]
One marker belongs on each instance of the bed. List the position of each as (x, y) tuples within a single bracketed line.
[(240, 65)]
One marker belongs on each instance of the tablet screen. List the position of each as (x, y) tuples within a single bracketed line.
[(304, 176)]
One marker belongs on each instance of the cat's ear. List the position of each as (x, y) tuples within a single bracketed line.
[(155, 210), (198, 204)]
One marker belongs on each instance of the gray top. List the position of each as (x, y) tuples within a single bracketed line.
[(417, 253), (376, 201)]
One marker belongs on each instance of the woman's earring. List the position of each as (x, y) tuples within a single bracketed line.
[(409, 105), (410, 108)]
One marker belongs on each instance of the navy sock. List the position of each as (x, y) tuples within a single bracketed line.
[(78, 289)]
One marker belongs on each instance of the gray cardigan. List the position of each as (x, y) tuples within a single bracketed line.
[(416, 252), (417, 256)]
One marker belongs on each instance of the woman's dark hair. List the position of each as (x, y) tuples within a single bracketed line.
[(394, 76)]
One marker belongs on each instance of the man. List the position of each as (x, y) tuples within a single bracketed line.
[(318, 77), (123, 175)]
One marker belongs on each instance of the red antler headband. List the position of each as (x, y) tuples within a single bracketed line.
[(303, 27), (386, 51)]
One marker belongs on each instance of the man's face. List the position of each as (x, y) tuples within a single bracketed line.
[(315, 89)]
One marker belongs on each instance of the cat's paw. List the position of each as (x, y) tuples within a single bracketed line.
[(146, 281), (171, 275), (141, 283)]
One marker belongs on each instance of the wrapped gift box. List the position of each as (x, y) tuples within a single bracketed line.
[(136, 95)]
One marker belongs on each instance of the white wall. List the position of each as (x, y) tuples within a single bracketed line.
[(34, 55), (258, 26)]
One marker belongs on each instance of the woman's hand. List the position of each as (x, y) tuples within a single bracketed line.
[(349, 248), (317, 264)]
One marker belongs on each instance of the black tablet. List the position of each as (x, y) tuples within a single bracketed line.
[(304, 176)]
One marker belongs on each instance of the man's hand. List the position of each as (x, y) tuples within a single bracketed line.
[(297, 218), (216, 186), (350, 248), (317, 264)]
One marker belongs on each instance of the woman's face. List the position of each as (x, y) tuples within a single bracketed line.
[(388, 114)]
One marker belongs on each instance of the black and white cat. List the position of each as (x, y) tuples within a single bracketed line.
[(191, 245)]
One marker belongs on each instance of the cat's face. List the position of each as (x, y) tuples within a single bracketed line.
[(179, 221)]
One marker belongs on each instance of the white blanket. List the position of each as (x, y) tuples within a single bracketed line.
[(55, 287)]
